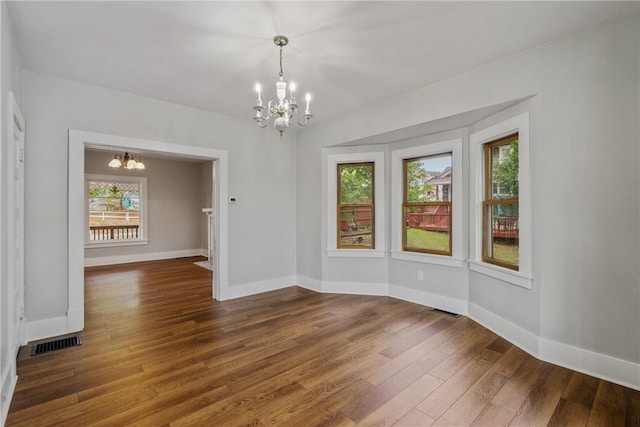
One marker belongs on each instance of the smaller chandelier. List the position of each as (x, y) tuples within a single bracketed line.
[(126, 161), (283, 110)]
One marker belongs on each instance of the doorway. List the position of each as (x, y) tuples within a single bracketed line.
[(78, 141)]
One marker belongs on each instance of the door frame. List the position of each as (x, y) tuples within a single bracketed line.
[(78, 141), (16, 272)]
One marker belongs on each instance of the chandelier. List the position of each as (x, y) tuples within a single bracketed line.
[(283, 110), (126, 161)]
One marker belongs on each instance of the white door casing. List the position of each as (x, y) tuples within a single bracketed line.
[(78, 140), (16, 129)]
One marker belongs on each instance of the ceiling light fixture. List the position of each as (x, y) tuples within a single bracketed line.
[(284, 109), (126, 161)]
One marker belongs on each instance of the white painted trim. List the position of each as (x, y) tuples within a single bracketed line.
[(507, 330), (355, 288), (595, 364), (599, 365), (153, 256), (8, 389), (253, 288), (428, 258), (77, 142), (453, 146), (75, 320), (520, 124), (309, 283), (115, 243), (356, 253), (379, 199), (204, 252), (47, 328), (500, 273), (429, 299)]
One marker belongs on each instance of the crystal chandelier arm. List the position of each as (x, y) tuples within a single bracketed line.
[(259, 109), (306, 120)]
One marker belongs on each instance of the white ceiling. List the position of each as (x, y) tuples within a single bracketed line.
[(347, 54)]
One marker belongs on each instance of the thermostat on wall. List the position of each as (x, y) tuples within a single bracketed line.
[(233, 200)]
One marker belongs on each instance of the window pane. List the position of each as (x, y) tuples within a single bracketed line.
[(427, 228), (356, 183), (502, 244), (114, 210), (356, 226), (428, 179), (504, 171)]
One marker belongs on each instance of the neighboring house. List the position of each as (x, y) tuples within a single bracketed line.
[(439, 185)]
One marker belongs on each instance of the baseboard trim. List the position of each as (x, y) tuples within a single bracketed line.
[(442, 302), (355, 288), (578, 359), (152, 256), (252, 288), (588, 362), (8, 389), (507, 330), (47, 328), (75, 320), (309, 283)]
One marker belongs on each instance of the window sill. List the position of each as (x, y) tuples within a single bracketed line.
[(428, 258), (114, 244), (504, 274), (356, 253)]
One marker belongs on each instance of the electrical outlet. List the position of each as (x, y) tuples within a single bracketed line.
[(420, 275)]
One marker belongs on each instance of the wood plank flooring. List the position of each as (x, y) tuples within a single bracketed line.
[(157, 351)]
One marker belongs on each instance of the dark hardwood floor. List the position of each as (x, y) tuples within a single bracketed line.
[(157, 350)]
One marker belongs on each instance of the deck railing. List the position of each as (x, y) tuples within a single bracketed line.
[(113, 232), (503, 227)]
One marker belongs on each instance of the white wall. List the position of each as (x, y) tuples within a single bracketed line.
[(173, 204), (585, 298), (261, 176), (10, 77)]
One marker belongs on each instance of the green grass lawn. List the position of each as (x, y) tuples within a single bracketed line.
[(506, 252), (433, 240)]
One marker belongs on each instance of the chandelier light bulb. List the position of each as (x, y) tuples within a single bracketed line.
[(292, 90), (258, 89)]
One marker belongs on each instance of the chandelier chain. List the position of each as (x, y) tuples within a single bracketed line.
[(281, 61)]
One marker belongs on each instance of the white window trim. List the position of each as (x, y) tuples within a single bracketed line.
[(142, 236), (457, 258), (523, 276), (332, 196)]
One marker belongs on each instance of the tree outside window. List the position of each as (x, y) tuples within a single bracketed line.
[(501, 203), (355, 205), (426, 208)]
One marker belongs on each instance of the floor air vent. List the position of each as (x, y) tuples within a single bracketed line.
[(56, 345), (448, 313)]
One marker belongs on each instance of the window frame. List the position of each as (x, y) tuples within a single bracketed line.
[(332, 249), (406, 204), (523, 276), (371, 205), (489, 201), (458, 253), (142, 230)]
